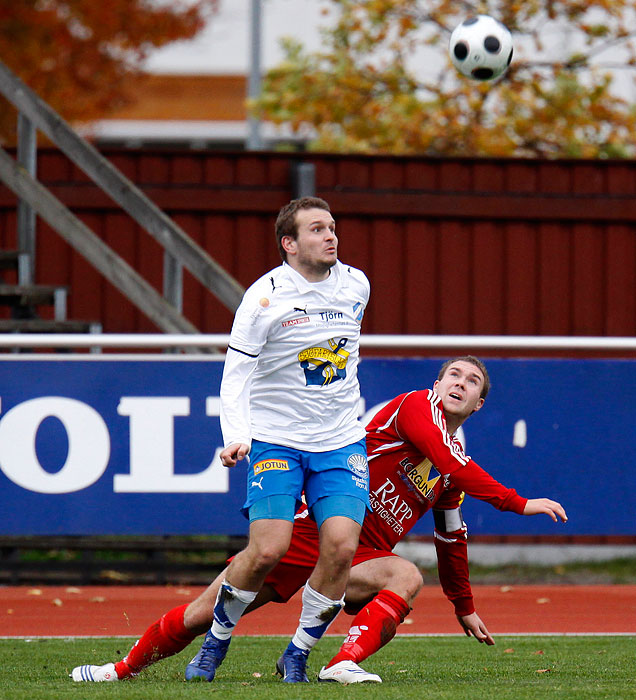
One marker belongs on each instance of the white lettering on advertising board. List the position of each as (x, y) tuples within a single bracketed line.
[(152, 449)]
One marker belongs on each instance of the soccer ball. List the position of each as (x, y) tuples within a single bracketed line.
[(481, 48)]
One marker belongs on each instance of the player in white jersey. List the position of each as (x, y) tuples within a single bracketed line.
[(289, 400), (298, 343)]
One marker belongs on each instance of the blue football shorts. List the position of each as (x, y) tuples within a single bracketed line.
[(277, 476)]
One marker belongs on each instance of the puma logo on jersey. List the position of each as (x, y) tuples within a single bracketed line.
[(258, 483)]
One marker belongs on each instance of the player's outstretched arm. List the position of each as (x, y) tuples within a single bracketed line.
[(234, 453), (474, 627), (555, 510)]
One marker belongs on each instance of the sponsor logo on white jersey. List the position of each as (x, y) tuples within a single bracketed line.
[(324, 365), (295, 321)]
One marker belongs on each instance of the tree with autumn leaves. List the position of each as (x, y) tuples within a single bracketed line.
[(383, 82), (83, 56)]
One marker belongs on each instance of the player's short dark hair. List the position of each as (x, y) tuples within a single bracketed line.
[(286, 220), (473, 361)]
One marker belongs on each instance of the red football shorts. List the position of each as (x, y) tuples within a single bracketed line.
[(293, 570)]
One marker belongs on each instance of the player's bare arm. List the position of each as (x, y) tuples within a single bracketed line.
[(555, 510), (234, 453)]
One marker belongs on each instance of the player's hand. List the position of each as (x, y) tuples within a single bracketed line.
[(555, 510), (234, 453), (474, 627)]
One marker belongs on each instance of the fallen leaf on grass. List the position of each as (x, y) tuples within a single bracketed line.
[(538, 653), (257, 674), (509, 651), (544, 670)]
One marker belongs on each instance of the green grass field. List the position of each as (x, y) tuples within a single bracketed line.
[(422, 668)]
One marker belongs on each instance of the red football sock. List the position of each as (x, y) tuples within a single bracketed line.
[(373, 627), (163, 638)]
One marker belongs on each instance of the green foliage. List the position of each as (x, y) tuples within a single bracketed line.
[(435, 668), (367, 92)]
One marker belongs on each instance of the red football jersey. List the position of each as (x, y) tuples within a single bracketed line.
[(415, 465)]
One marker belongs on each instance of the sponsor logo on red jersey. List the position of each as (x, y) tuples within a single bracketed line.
[(423, 476), (389, 505)]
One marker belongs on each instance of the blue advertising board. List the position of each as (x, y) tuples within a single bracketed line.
[(107, 445)]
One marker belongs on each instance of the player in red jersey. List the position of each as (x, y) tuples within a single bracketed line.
[(416, 464)]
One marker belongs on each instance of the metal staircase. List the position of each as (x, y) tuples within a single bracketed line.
[(25, 303), (25, 298)]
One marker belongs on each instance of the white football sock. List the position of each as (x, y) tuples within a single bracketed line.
[(230, 605), (317, 614)]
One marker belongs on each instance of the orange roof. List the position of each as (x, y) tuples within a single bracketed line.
[(182, 97)]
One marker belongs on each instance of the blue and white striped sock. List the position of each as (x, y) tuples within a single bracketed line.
[(230, 605), (317, 614)]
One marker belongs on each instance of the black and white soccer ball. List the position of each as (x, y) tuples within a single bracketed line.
[(481, 48)]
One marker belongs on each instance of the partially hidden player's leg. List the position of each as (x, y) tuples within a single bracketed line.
[(168, 635), (383, 590), (391, 572), (175, 630)]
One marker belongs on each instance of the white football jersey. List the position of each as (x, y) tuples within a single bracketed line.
[(290, 374)]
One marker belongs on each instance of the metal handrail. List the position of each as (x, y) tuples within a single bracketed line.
[(472, 342)]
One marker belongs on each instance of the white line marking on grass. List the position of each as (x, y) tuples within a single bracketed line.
[(286, 636)]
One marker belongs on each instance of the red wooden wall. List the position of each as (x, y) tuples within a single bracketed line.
[(453, 246)]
